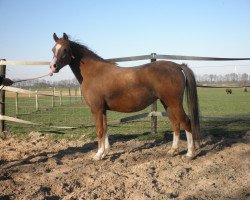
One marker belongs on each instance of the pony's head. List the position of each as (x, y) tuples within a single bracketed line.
[(62, 53)]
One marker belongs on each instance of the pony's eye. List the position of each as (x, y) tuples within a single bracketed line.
[(64, 53)]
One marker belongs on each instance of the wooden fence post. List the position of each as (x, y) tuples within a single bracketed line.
[(2, 98), (60, 98), (75, 94), (53, 97), (17, 104), (37, 105), (153, 107), (69, 96)]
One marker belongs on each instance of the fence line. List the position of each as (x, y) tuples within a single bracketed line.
[(12, 119), (23, 91), (14, 62), (152, 56), (133, 58), (210, 86), (37, 94), (153, 114)]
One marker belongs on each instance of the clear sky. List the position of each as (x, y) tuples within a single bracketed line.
[(116, 28)]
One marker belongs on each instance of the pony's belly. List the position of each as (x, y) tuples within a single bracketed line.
[(130, 104)]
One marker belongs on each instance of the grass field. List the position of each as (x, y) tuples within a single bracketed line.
[(226, 113)]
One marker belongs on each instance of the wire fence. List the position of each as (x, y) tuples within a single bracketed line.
[(42, 102)]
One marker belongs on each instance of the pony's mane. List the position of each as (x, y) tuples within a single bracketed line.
[(84, 51)]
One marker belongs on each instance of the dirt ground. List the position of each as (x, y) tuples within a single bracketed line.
[(51, 169)]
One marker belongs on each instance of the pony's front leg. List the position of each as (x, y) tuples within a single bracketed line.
[(105, 139), (101, 132)]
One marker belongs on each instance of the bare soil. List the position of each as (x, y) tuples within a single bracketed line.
[(41, 168)]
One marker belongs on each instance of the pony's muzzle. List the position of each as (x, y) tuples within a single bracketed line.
[(53, 65), (55, 69)]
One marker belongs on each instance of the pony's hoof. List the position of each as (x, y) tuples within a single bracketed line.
[(105, 153), (173, 152), (97, 157), (187, 158)]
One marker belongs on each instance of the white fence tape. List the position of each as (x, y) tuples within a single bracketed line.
[(13, 62), (14, 89), (13, 119), (23, 91)]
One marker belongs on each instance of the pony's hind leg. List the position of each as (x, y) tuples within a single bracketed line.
[(176, 133), (190, 144), (185, 122), (175, 124), (178, 116)]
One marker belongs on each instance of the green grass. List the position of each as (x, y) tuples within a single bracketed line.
[(213, 103)]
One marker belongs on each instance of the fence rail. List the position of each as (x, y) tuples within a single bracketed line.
[(153, 57), (132, 58)]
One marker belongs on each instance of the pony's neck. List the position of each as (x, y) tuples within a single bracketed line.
[(85, 61), (82, 52), (75, 67)]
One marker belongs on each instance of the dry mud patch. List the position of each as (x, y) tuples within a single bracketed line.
[(58, 169)]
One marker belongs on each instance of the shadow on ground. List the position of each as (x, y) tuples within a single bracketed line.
[(217, 135)]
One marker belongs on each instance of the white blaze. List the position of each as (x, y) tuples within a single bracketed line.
[(57, 48)]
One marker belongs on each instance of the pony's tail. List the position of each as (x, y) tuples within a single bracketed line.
[(192, 103)]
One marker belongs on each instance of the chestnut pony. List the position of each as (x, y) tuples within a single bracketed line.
[(106, 86)]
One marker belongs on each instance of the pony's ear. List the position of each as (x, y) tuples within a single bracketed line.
[(55, 37), (65, 37)]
